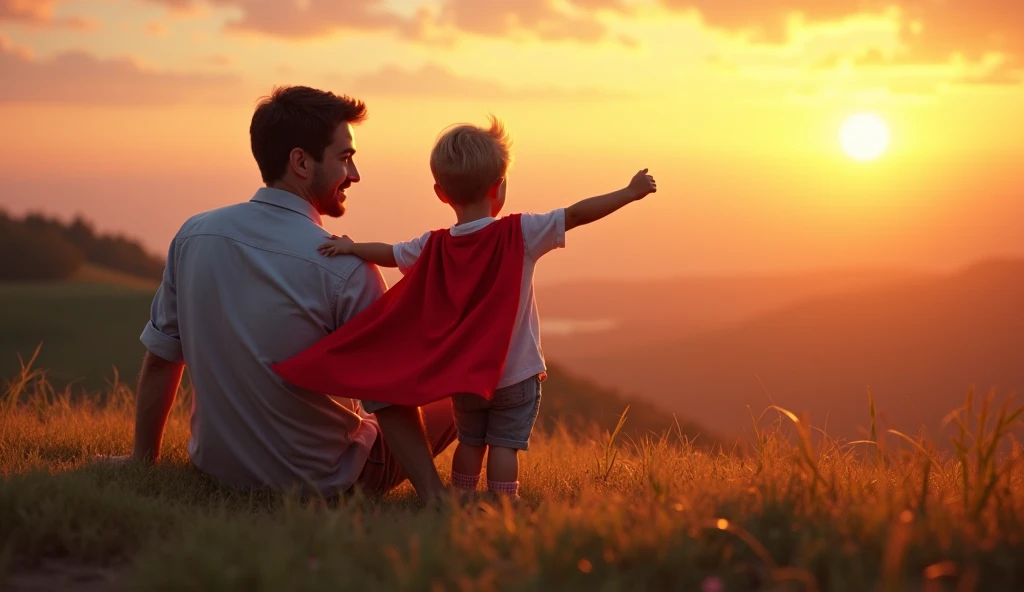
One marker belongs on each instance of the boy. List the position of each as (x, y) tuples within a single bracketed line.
[(463, 322)]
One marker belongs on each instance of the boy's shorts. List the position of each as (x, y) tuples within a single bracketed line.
[(506, 420)]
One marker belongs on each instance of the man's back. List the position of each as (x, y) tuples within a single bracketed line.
[(245, 288)]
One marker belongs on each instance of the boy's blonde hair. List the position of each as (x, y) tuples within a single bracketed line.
[(467, 160)]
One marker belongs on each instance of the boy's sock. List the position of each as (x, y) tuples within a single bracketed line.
[(465, 482), (509, 488)]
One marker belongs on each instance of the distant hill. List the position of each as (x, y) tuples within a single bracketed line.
[(919, 345), (578, 402), (37, 247), (646, 312)]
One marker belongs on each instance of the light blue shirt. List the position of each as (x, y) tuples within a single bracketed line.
[(244, 287)]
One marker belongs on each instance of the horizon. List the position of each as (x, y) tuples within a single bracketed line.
[(392, 275)]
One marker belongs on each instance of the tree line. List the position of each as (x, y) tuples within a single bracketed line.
[(37, 247)]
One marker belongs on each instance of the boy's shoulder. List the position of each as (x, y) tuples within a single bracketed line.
[(535, 220)]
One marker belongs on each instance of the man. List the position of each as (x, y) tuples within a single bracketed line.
[(245, 287)]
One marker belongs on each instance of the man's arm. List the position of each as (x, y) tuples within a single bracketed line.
[(594, 208), (161, 368), (158, 386)]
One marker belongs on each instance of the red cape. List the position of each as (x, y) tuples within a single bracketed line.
[(443, 329)]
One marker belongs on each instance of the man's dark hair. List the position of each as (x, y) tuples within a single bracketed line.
[(297, 117)]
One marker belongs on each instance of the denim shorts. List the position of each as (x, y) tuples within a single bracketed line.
[(506, 420)]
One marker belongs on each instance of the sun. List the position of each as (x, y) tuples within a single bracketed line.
[(864, 136)]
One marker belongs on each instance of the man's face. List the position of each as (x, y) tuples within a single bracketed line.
[(335, 173)]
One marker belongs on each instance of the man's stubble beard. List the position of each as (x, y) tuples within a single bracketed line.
[(326, 196)]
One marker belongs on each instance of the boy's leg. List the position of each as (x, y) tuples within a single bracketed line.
[(502, 467), (383, 472), (471, 423), (511, 419), (466, 465)]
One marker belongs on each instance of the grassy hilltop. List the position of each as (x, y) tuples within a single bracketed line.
[(637, 508), (600, 512)]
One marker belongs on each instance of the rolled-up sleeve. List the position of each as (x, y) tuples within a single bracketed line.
[(160, 336)]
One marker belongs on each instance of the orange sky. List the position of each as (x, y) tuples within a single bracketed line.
[(135, 113)]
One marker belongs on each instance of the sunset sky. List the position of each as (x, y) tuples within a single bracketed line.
[(135, 113)]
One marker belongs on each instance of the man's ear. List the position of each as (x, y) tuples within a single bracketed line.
[(300, 163), (440, 194)]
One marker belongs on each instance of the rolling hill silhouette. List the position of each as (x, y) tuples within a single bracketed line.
[(919, 344), (668, 310)]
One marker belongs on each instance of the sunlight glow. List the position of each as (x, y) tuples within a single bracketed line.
[(864, 136)]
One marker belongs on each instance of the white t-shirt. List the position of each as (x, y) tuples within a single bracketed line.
[(541, 234)]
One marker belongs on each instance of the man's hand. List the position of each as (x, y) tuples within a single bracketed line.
[(641, 185), (337, 246)]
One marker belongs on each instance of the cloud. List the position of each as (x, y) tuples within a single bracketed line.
[(764, 21), (1000, 76), (177, 5), (545, 19), (301, 18), (311, 18), (156, 29), (80, 78), (931, 30), (182, 8), (989, 70), (219, 60), (434, 81), (40, 13), (913, 49)]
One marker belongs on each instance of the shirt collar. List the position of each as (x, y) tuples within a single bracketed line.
[(288, 201), (470, 227)]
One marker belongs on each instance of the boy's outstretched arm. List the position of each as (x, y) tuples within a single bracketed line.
[(595, 208), (381, 254)]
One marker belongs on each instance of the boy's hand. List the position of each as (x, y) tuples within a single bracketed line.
[(337, 246), (642, 184)]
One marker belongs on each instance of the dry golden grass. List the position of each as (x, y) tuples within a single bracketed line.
[(799, 511)]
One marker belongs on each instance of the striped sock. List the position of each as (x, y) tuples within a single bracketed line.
[(466, 482), (510, 488)]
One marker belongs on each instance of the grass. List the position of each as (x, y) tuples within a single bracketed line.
[(800, 511), (86, 330)]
